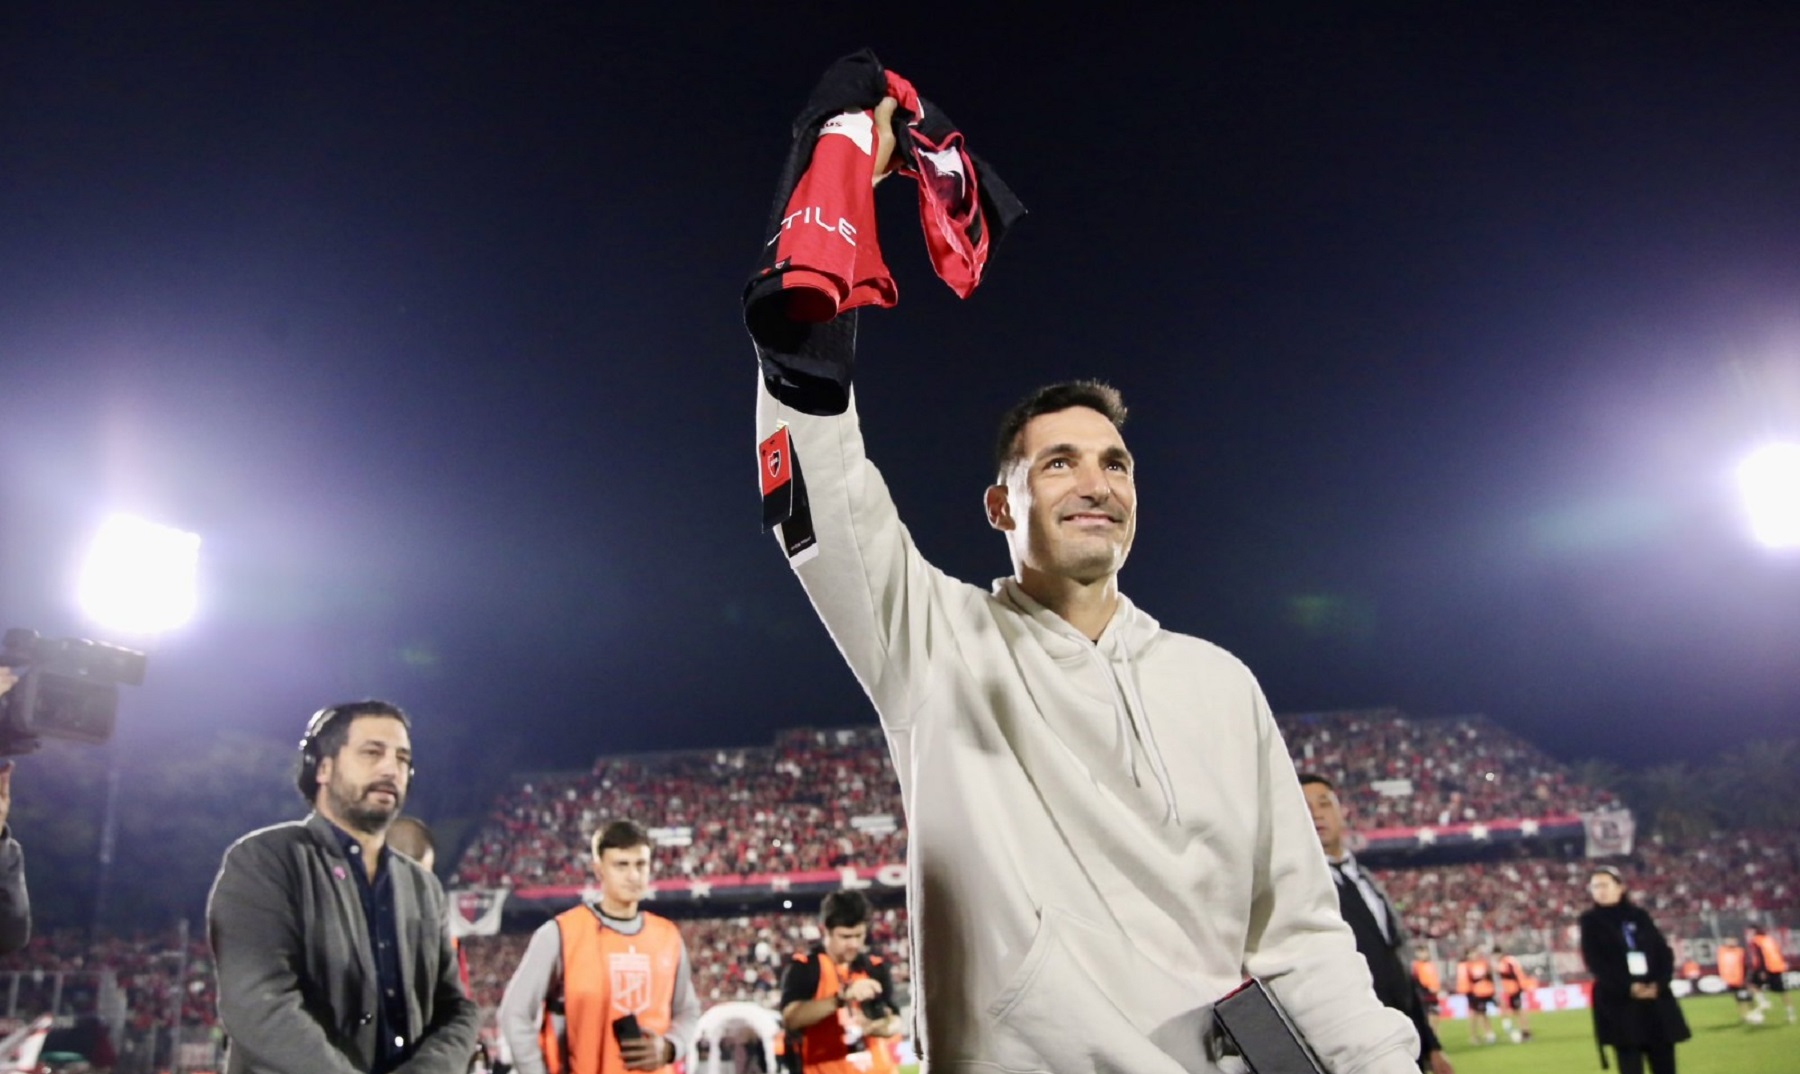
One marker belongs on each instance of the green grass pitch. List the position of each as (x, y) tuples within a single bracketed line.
[(1563, 1041)]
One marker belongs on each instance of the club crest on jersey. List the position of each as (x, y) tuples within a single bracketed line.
[(630, 974)]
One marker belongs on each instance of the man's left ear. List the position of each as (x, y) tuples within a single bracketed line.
[(999, 508)]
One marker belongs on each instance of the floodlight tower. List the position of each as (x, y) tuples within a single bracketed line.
[(138, 579), (1769, 479)]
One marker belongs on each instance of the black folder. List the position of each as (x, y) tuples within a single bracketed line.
[(1252, 1020)]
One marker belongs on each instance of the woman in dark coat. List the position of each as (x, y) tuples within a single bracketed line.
[(1632, 965)]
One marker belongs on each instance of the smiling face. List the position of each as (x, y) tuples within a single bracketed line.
[(365, 780), (1069, 506)]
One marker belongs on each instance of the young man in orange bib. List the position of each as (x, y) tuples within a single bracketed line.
[(838, 997), (604, 987), (1475, 980), (1768, 970), (1516, 986), (1734, 970), (1431, 988)]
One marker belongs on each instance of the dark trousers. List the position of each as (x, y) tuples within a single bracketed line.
[(1661, 1056)]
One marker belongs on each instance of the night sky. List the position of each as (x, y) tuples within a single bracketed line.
[(1442, 326)]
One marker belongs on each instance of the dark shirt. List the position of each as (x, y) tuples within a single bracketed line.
[(801, 983), (391, 1029)]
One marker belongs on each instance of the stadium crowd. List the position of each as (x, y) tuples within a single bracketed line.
[(759, 810), (749, 811), (1459, 769), (159, 977), (1528, 903)]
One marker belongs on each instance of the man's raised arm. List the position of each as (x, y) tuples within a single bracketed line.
[(1299, 943)]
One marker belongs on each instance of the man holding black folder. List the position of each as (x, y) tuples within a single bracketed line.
[(1372, 918), (1106, 832), (603, 987)]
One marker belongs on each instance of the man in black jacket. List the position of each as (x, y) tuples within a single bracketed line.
[(332, 951), (1371, 916)]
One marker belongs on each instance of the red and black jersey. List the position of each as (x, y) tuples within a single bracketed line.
[(822, 258)]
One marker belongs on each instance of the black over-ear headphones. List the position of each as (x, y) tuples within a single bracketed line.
[(307, 781)]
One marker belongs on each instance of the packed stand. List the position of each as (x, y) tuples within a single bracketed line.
[(159, 980), (1462, 769), (1528, 903), (750, 810), (762, 810)]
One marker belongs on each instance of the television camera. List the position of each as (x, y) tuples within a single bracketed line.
[(68, 688)]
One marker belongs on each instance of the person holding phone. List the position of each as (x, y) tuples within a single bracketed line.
[(604, 987), (1632, 966)]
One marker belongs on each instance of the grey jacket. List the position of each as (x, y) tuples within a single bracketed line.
[(297, 980)]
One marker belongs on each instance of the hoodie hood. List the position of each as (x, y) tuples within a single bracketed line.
[(1128, 635)]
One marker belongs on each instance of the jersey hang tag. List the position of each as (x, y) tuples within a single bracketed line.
[(784, 497)]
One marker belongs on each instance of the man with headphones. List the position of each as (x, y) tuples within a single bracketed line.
[(332, 952)]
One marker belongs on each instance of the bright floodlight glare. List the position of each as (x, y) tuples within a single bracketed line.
[(1770, 481), (139, 576)]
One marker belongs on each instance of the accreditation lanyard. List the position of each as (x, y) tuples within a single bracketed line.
[(1636, 962)]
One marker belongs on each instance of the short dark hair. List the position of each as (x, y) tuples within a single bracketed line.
[(1608, 870), (844, 910), (411, 837), (326, 734), (619, 835), (1307, 778), (1050, 399)]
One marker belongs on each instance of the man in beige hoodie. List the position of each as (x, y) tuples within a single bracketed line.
[(1106, 831)]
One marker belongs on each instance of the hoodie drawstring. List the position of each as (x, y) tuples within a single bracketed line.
[(1134, 726)]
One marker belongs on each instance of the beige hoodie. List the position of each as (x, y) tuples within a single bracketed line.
[(1105, 837)]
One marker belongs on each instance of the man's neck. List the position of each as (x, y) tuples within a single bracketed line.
[(1086, 606), (1337, 855), (371, 842), (617, 910)]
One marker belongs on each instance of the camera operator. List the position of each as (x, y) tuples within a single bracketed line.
[(838, 997), (15, 902)]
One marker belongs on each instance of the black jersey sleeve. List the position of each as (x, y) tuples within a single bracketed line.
[(800, 981)]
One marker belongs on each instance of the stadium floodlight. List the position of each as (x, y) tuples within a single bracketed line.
[(139, 577), (1770, 482)]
